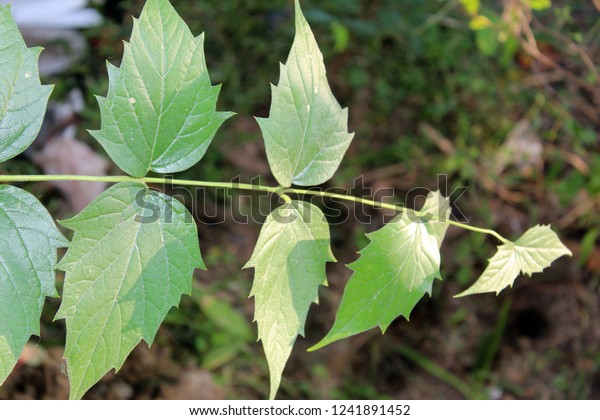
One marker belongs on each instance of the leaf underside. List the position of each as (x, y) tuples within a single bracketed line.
[(159, 114), (393, 272), (531, 253), (28, 253), (289, 262), (306, 133), (23, 99), (131, 259)]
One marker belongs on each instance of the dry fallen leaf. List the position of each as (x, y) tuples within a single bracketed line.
[(523, 149), (193, 385), (64, 154)]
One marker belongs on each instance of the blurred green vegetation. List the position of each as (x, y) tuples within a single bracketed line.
[(432, 88)]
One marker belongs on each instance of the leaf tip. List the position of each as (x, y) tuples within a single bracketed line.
[(332, 336), (462, 294), (225, 115), (315, 347)]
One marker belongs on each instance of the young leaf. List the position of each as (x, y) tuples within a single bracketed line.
[(28, 256), (437, 209), (289, 262), (159, 113), (531, 253), (393, 272), (131, 259), (306, 134), (23, 99)]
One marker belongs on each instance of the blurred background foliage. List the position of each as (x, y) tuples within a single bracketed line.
[(502, 98)]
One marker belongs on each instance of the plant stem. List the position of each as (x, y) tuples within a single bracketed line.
[(282, 192), (396, 208)]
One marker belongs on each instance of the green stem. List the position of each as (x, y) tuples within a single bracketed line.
[(396, 208), (282, 192), (465, 388)]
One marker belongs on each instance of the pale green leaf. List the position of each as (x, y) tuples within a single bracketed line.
[(131, 259), (531, 253), (23, 99), (27, 256), (540, 4), (227, 319), (479, 23), (471, 6), (306, 134), (437, 209), (289, 262), (502, 270), (393, 272), (159, 114)]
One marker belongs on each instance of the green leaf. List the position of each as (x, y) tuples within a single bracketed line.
[(131, 259), (226, 318), (341, 36), (23, 99), (487, 41), (531, 253), (306, 134), (159, 113), (479, 23), (471, 6), (393, 272), (28, 256), (437, 209), (289, 261)]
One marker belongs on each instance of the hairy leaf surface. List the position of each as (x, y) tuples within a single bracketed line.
[(131, 259), (289, 262), (23, 99), (159, 114), (531, 253), (28, 244), (306, 134), (393, 272)]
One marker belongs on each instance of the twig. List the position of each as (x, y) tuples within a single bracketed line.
[(438, 139), (529, 44), (573, 45), (488, 183), (580, 209), (435, 18)]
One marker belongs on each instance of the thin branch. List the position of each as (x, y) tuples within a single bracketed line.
[(281, 191)]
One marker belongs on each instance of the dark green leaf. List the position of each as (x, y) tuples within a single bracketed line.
[(28, 256), (23, 99), (159, 114), (393, 272)]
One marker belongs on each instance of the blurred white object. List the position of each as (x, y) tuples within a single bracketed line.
[(55, 14), (523, 149), (51, 24)]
